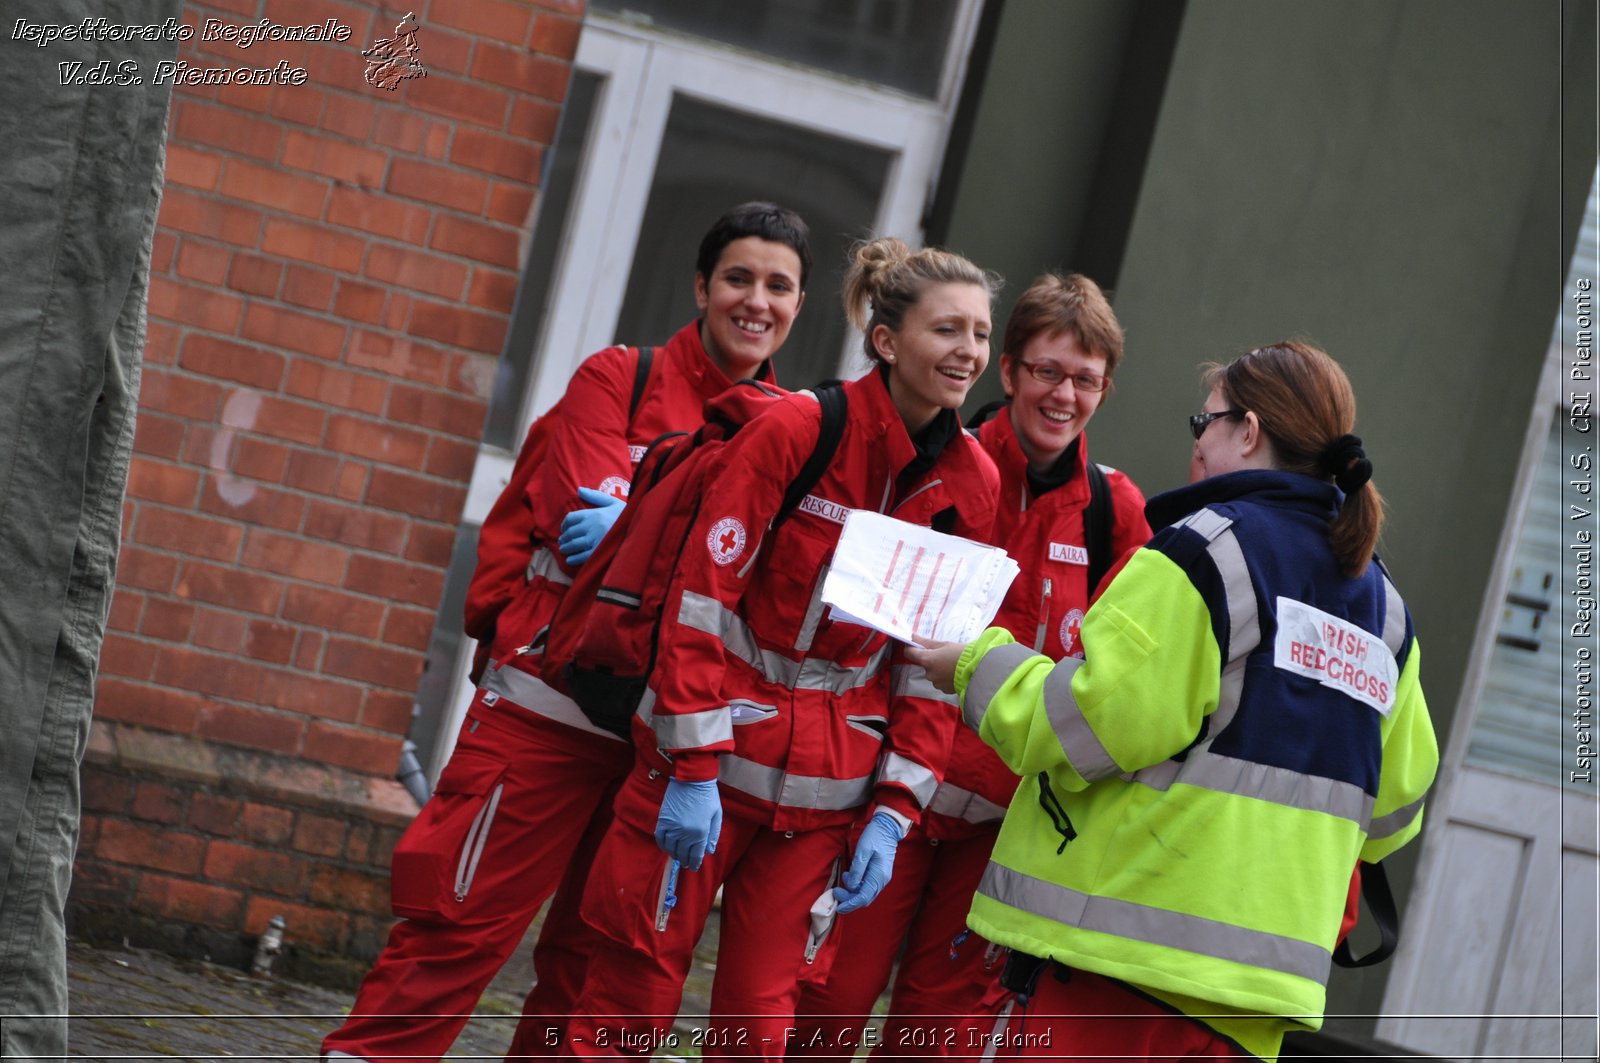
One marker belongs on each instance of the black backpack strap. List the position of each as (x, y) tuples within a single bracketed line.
[(641, 377), (1380, 903), (985, 414), (1097, 518), (830, 396)]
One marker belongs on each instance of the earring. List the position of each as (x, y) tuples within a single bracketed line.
[(889, 359)]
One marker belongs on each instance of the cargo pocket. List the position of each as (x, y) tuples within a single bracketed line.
[(437, 857)]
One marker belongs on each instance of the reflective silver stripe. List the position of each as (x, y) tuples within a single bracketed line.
[(544, 563), (1244, 637), (1396, 821), (993, 670), (1085, 752), (693, 730), (534, 695), (1244, 622), (617, 597), (701, 613), (1207, 523), (1243, 778), (910, 681), (808, 626), (1281, 786), (710, 616), (1394, 618), (1157, 926), (792, 791), (953, 801), (918, 778)]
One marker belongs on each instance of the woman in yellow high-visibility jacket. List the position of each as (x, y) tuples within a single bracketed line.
[(1246, 724)]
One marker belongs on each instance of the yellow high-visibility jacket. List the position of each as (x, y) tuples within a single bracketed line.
[(1246, 724)]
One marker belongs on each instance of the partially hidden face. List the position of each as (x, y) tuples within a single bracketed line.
[(940, 349), (749, 303), (1049, 416), (1223, 443)]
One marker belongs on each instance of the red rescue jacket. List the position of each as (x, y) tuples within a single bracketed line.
[(594, 444), (1042, 608), (801, 718)]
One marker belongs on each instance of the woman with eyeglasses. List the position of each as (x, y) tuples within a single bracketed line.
[(1246, 723), (1061, 350)]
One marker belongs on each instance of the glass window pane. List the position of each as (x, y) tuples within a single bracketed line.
[(713, 158), (900, 43), (1523, 727)]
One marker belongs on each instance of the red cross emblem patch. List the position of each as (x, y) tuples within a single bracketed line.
[(615, 486), (1069, 633), (726, 541)]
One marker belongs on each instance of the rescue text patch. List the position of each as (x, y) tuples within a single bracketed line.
[(1072, 555), (1336, 653), (821, 507)]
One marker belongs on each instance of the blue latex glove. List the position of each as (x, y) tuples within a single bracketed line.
[(582, 529), (872, 865), (690, 821)]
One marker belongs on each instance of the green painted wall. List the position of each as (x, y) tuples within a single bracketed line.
[(1385, 178), (1042, 115)]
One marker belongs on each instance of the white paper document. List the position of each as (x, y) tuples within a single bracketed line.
[(908, 581)]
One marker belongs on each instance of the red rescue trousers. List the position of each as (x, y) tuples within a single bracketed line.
[(769, 879), (945, 972), (1089, 1019), (522, 803)]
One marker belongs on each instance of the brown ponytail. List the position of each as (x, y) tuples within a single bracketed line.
[(1307, 408)]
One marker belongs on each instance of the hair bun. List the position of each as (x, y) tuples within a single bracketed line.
[(1347, 463)]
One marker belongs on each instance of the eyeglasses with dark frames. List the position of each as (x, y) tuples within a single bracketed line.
[(1198, 422), (1051, 374)]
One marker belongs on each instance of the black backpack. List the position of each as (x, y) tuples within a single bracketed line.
[(603, 638)]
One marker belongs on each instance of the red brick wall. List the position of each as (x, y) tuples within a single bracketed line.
[(332, 280)]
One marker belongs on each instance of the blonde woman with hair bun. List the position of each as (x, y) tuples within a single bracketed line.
[(776, 727)]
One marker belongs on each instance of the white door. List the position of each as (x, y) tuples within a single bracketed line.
[(1499, 952), (663, 130)]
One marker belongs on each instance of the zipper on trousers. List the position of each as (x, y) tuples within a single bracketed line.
[(997, 1035), (667, 896), (477, 839), (822, 923)]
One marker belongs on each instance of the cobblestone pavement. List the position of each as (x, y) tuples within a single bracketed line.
[(132, 1004)]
